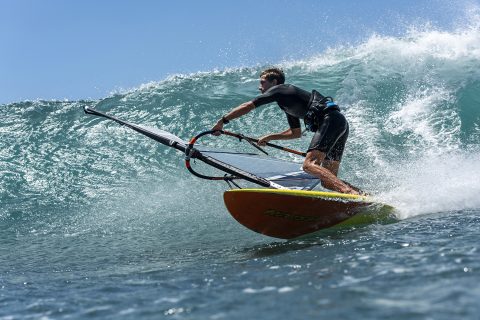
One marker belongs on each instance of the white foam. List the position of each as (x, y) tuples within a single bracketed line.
[(434, 184)]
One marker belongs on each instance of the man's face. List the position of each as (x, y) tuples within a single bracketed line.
[(265, 84)]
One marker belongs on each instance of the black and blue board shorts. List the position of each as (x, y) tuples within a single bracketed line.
[(331, 135)]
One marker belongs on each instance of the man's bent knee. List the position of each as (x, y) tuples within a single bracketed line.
[(306, 166), (313, 159)]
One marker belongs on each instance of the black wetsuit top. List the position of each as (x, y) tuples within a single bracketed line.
[(291, 99), (332, 132)]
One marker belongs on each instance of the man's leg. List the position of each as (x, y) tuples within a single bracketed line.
[(326, 171), (331, 165)]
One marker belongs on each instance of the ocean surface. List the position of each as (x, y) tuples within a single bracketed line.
[(100, 222)]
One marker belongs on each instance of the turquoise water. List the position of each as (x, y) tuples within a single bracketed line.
[(97, 221)]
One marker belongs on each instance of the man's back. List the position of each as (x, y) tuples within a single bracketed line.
[(293, 100)]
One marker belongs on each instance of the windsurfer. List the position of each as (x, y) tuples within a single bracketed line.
[(321, 115)]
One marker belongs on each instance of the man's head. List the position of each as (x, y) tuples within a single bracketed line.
[(271, 77)]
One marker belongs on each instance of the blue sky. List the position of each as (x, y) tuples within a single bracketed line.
[(60, 49)]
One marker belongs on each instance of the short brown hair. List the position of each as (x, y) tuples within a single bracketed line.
[(274, 74)]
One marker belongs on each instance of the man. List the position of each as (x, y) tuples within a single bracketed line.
[(321, 116)]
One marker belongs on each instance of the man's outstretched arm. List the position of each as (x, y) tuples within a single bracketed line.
[(235, 113)]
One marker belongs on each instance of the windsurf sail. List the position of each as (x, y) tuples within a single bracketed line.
[(158, 135), (259, 169)]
